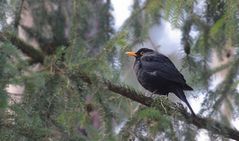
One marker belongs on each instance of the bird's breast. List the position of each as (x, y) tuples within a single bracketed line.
[(144, 79)]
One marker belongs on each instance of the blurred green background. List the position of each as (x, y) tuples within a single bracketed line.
[(55, 55)]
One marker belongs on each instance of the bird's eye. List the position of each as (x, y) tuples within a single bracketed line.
[(141, 53)]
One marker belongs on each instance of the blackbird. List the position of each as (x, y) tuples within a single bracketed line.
[(156, 73)]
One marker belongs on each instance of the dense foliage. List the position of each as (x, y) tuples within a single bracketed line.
[(66, 55)]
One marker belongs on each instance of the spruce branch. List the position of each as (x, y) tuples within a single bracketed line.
[(165, 107), (35, 55), (162, 104), (170, 109), (181, 113)]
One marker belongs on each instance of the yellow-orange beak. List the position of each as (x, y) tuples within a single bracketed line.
[(131, 53)]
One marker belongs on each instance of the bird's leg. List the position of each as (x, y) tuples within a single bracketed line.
[(161, 102)]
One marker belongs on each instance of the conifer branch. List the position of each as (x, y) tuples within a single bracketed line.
[(35, 55), (168, 108), (162, 104), (176, 111)]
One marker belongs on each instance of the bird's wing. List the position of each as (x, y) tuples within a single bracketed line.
[(160, 66)]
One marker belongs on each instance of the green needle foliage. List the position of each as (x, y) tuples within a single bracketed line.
[(66, 54)]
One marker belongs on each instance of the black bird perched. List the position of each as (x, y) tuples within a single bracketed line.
[(157, 74)]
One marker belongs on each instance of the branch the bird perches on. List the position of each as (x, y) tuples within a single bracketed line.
[(165, 107), (171, 109)]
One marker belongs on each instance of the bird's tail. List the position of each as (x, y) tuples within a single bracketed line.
[(180, 94)]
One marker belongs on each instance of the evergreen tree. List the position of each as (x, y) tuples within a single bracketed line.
[(72, 64)]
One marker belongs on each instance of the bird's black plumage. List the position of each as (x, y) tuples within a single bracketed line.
[(156, 73)]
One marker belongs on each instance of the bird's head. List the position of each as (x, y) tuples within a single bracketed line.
[(140, 52)]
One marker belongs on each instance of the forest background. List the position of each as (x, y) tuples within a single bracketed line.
[(64, 74)]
